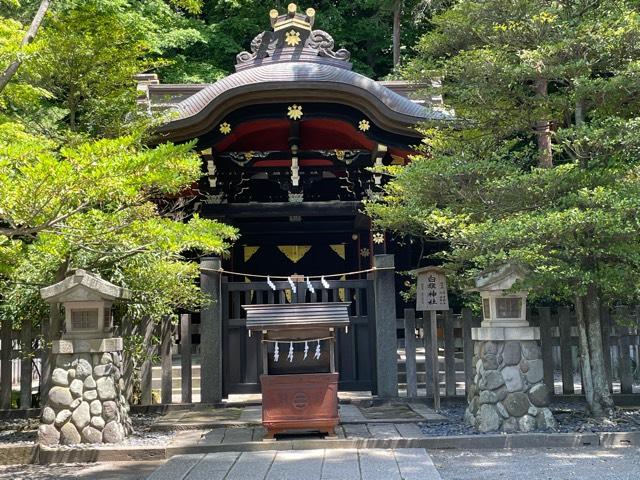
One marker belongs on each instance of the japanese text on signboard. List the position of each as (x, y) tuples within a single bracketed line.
[(432, 291)]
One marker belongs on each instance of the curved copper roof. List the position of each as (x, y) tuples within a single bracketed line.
[(295, 81)]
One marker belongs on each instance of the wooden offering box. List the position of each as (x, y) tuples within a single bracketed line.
[(299, 393)]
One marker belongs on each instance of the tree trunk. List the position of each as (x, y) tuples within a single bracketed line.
[(543, 130), (602, 400), (585, 355), (397, 11), (11, 70)]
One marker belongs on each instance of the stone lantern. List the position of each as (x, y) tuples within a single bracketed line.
[(85, 403), (508, 392), (87, 300), (502, 308)]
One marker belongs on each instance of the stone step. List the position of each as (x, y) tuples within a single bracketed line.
[(421, 376), (176, 382), (458, 362), (175, 370)]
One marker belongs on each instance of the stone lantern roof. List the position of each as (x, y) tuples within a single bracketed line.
[(83, 286), (502, 279)]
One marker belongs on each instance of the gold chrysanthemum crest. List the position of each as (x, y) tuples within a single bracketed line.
[(364, 125), (225, 128), (295, 112), (378, 238), (292, 38)]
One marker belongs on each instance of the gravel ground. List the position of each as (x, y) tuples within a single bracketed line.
[(571, 418), (539, 464), (23, 432)]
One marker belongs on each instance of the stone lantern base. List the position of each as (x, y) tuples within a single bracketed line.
[(508, 393), (86, 402)]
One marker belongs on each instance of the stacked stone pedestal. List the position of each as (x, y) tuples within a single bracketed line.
[(508, 393), (86, 402)]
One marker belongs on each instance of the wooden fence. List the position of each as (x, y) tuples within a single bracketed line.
[(559, 344), (20, 365)]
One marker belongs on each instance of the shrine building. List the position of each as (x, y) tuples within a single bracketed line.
[(287, 145)]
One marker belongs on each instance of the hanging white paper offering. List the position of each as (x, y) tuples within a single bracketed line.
[(317, 354), (290, 356), (276, 353), (293, 285), (325, 284), (306, 350), (309, 286), (270, 283)]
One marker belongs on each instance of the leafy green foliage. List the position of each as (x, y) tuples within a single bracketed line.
[(81, 188), (93, 205), (477, 184)]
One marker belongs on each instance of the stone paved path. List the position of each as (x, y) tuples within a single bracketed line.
[(226, 435), (347, 464), (249, 416), (540, 464)]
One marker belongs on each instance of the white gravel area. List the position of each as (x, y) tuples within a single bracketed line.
[(23, 432), (80, 471)]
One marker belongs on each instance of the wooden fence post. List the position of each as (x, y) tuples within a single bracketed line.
[(624, 344), (26, 365), (211, 331), (5, 365), (410, 351), (166, 385), (467, 349), (185, 356), (566, 355), (128, 329), (546, 347), (449, 355), (606, 343), (45, 354), (146, 369), (371, 329), (428, 356), (434, 358), (385, 321)]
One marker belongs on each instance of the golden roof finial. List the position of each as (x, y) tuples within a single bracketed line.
[(273, 16), (292, 18)]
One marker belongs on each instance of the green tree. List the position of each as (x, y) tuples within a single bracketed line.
[(97, 205), (81, 187), (85, 56), (542, 166)]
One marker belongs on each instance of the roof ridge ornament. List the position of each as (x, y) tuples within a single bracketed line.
[(293, 39)]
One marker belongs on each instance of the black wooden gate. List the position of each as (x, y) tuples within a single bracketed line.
[(242, 363)]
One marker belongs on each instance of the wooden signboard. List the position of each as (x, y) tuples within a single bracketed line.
[(431, 296), (431, 290)]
